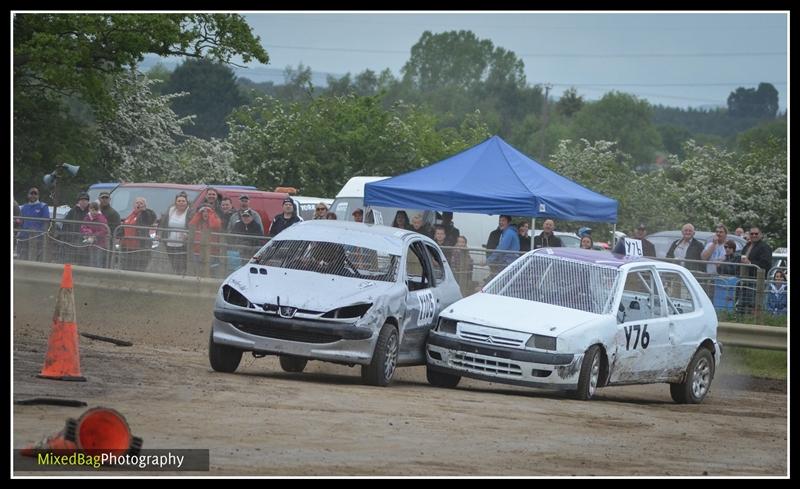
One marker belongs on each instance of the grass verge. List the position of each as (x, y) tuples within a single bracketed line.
[(770, 364)]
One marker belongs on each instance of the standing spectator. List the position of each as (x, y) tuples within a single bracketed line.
[(135, 246), (440, 235), (214, 200), (226, 206), (731, 260), (586, 242), (776, 300), (358, 215), (283, 221), (687, 248), (714, 250), (757, 253), (401, 220), (174, 220), (331, 216), (420, 226), (451, 231), (206, 221), (31, 238), (547, 238), (509, 241), (494, 238), (246, 246), (462, 266), (640, 233), (740, 232), (524, 239), (244, 204), (321, 211), (112, 216), (95, 232), (71, 237)]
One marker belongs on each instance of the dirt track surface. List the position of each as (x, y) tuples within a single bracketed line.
[(262, 421)]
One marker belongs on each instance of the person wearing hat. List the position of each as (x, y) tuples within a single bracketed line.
[(358, 215), (640, 233), (241, 246), (244, 204), (110, 214), (72, 250), (284, 220)]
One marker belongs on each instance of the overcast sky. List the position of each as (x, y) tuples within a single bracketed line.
[(674, 59)]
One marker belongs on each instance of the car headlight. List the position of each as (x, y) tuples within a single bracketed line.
[(446, 326), (348, 312), (542, 342), (233, 296)]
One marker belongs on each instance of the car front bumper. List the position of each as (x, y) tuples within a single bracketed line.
[(318, 340), (450, 354)]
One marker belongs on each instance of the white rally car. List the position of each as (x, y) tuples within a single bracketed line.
[(341, 292), (577, 320)]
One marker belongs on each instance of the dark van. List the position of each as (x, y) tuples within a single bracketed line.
[(160, 196)]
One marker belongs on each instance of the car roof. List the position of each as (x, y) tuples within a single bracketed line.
[(597, 257), (355, 186), (373, 236)]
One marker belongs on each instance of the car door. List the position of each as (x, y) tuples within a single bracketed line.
[(420, 303), (684, 315), (642, 339)]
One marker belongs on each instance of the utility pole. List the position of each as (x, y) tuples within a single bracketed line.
[(547, 87)]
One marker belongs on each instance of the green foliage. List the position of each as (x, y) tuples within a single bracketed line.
[(212, 93), (570, 103), (754, 362), (317, 146), (762, 134), (749, 102), (673, 138), (622, 118)]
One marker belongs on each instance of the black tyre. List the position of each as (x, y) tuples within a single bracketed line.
[(442, 379), (290, 363), (223, 358), (589, 377), (384, 360), (697, 381)]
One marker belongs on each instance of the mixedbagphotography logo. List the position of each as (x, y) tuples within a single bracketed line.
[(147, 460)]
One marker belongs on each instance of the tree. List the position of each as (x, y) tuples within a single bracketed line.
[(212, 93), (570, 103), (317, 145), (749, 102), (623, 118), (74, 53), (459, 60)]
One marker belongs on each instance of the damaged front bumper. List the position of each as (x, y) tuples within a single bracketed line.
[(447, 353)]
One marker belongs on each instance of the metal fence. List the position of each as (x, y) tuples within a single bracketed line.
[(749, 292)]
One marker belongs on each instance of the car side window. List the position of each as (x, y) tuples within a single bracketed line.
[(436, 263), (641, 298), (679, 295), (418, 275)]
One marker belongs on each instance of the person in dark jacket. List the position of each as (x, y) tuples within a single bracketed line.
[(687, 247), (758, 253), (110, 214), (547, 238), (640, 233), (524, 239), (283, 221), (72, 249)]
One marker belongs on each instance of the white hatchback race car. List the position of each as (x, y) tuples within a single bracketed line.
[(341, 292), (577, 320)]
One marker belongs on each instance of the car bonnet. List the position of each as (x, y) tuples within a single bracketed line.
[(304, 289), (517, 314)]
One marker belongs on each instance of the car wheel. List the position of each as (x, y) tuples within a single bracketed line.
[(290, 363), (697, 381), (442, 379), (223, 358), (384, 360), (590, 374)]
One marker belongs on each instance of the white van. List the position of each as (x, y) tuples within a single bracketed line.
[(474, 227)]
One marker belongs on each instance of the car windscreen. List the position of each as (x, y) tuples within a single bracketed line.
[(556, 281), (330, 258), (158, 198)]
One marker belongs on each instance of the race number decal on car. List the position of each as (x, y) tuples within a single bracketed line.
[(427, 309)]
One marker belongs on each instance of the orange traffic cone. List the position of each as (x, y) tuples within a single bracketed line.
[(100, 430), (56, 444), (62, 361)]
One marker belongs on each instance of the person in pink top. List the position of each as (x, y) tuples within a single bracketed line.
[(95, 235)]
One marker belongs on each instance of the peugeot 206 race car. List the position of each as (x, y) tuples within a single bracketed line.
[(577, 320), (340, 292)]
